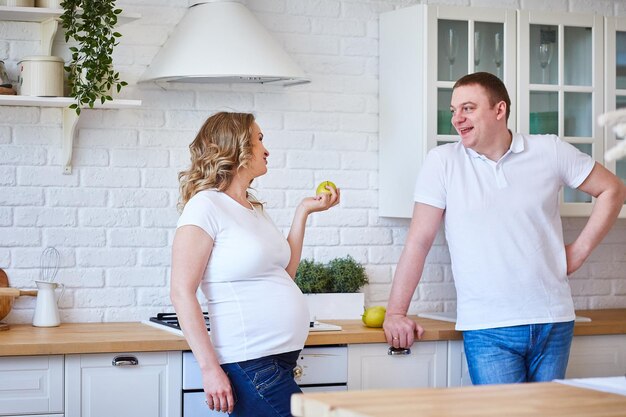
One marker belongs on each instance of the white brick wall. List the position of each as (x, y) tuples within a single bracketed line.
[(113, 219)]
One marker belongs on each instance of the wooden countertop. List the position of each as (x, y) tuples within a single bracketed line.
[(611, 321), (513, 400), (24, 339)]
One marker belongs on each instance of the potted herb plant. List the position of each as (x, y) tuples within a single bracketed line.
[(90, 24), (332, 289)]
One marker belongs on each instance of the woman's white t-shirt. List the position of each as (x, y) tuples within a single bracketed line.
[(255, 307)]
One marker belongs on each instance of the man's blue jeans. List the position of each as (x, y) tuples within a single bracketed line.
[(529, 353), (263, 386)]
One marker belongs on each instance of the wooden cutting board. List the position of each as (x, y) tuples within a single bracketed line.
[(5, 302)]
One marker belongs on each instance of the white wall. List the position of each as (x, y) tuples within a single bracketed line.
[(113, 219)]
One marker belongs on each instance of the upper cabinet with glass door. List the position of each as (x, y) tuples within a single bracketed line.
[(424, 49), (561, 86), (468, 40), (615, 82)]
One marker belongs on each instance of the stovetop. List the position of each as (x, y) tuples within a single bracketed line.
[(169, 322)]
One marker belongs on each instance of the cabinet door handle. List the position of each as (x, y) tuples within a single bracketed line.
[(125, 361), (398, 351)]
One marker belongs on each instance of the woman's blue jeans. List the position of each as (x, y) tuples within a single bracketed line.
[(263, 386), (528, 353)]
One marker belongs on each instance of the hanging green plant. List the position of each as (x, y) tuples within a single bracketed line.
[(90, 23)]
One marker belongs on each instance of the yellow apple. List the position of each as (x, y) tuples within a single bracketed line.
[(374, 316), (322, 187)]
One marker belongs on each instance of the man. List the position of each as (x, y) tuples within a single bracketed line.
[(497, 193)]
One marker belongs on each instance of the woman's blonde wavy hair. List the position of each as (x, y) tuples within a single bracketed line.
[(221, 147)]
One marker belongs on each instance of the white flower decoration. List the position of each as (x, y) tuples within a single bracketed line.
[(617, 119)]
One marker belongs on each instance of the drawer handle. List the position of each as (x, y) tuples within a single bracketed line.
[(125, 361), (398, 351)]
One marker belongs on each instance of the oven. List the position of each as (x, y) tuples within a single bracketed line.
[(323, 368), (319, 368)]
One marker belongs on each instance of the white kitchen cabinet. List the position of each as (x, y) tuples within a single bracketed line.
[(590, 356), (615, 86), (556, 66), (458, 372), (123, 384), (423, 50), (561, 85), (371, 367), (31, 385), (49, 22), (597, 356)]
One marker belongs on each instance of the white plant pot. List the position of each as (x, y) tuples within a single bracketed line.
[(335, 306)]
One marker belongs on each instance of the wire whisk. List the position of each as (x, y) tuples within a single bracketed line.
[(49, 264)]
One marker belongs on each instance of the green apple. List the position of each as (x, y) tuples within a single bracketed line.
[(322, 187), (374, 316)]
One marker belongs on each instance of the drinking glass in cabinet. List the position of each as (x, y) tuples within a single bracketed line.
[(452, 49), (478, 48), (488, 52), (543, 62), (545, 56), (498, 53)]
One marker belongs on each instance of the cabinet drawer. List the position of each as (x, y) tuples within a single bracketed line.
[(371, 367), (31, 385), (123, 384)]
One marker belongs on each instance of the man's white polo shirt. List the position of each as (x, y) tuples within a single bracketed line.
[(503, 228)]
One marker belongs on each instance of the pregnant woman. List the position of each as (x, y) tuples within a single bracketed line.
[(226, 245)]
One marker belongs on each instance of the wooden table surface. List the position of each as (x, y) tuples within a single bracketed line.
[(549, 399)]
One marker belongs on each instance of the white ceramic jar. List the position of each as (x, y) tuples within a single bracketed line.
[(51, 4), (41, 75), (17, 3)]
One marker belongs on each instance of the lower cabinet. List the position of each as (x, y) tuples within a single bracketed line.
[(590, 356), (371, 367), (458, 373), (31, 385), (597, 356), (150, 383), (123, 384)]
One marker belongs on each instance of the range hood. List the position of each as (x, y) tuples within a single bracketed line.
[(222, 42)]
